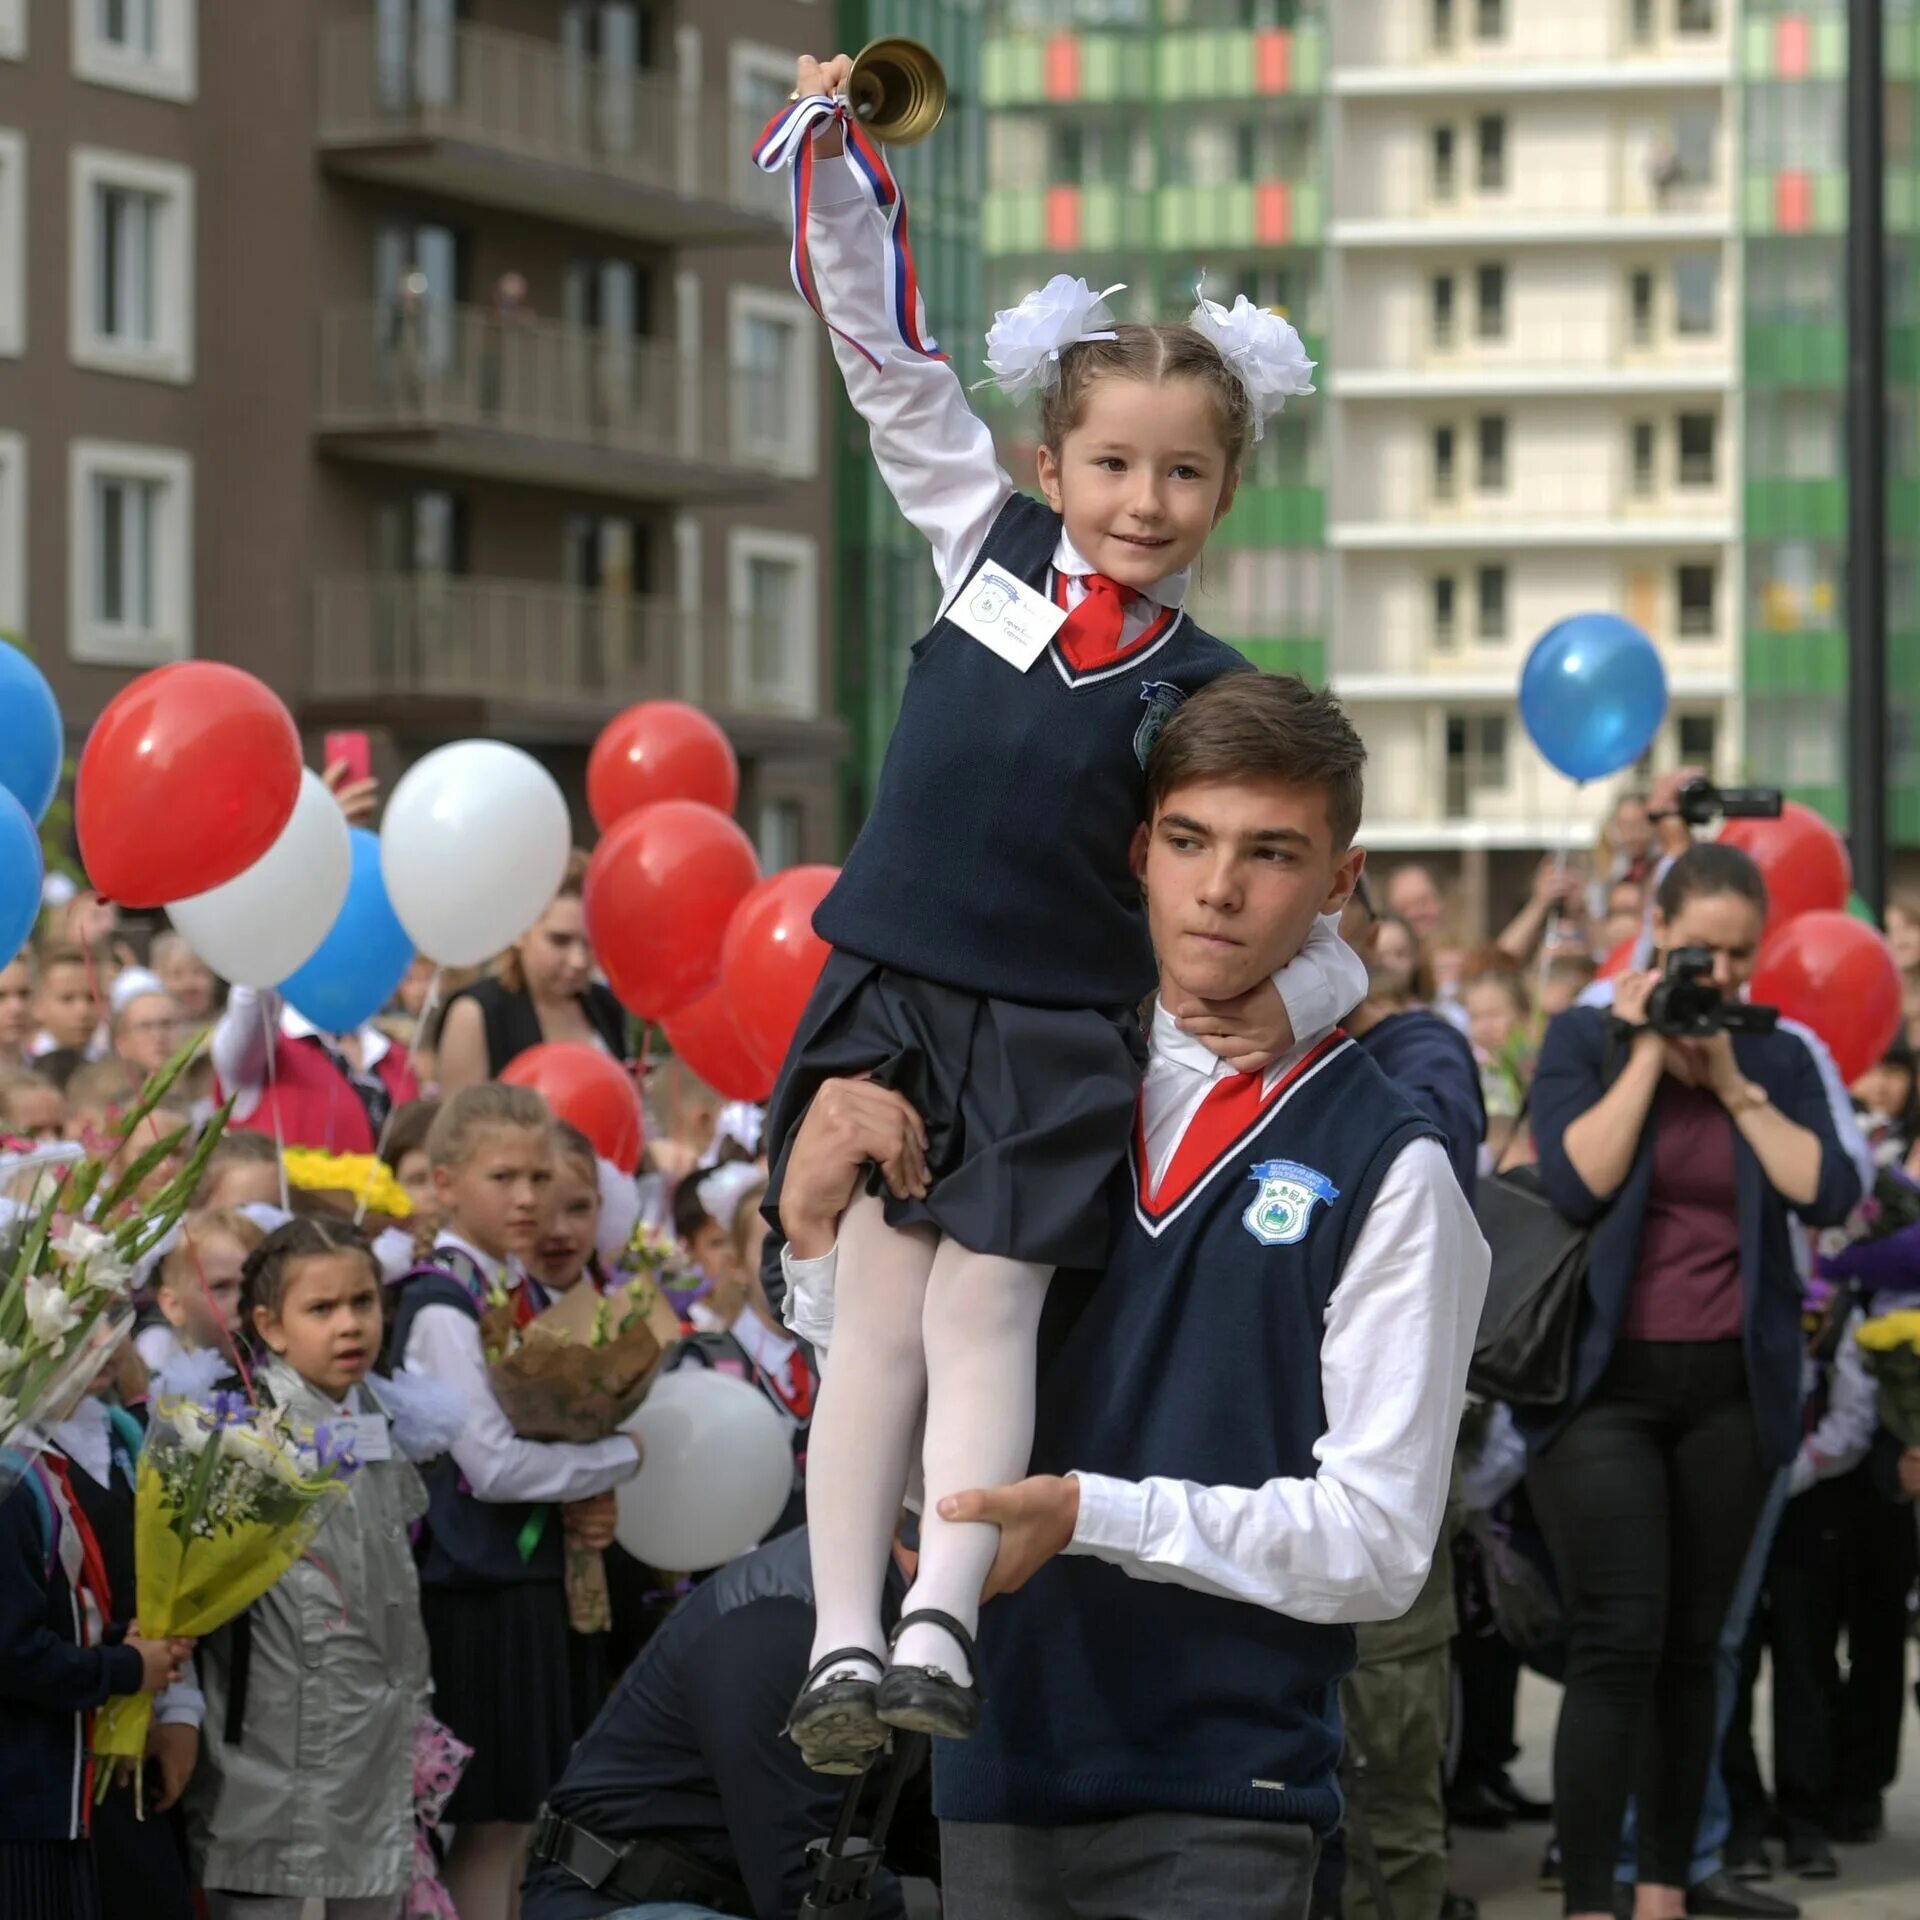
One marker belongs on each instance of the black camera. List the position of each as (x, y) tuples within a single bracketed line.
[(1686, 1005), (1700, 801)]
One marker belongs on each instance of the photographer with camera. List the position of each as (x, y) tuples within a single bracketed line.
[(1684, 1129)]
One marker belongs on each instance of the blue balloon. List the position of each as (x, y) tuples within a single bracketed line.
[(361, 962), (32, 741), (1593, 694), (20, 876)]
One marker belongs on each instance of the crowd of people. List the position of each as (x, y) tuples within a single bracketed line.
[(1107, 1255)]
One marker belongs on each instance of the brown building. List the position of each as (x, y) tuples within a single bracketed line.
[(433, 359)]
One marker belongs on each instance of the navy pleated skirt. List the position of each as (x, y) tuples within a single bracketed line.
[(1029, 1110)]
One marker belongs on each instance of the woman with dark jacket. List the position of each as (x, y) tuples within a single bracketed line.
[(1689, 1160), (542, 989)]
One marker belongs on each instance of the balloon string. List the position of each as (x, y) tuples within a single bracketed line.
[(100, 1010), (393, 1106), (271, 1018), (1559, 878), (227, 1340)]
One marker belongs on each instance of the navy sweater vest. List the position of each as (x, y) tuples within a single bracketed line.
[(468, 1542), (1196, 1358), (995, 857)]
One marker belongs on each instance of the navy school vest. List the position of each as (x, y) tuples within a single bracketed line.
[(995, 859), (1196, 1357), (468, 1542)]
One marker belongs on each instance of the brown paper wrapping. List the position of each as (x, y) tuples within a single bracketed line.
[(554, 1385)]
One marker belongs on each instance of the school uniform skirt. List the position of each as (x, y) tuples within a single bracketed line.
[(48, 1880), (501, 1683), (1029, 1110)]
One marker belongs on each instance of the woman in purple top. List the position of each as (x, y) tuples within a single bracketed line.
[(1688, 1158)]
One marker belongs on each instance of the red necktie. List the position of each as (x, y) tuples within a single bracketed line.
[(1089, 637)]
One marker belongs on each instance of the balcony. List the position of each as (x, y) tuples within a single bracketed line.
[(464, 390), (1394, 355), (505, 120), (530, 661)]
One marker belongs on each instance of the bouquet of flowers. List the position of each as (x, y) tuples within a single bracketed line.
[(574, 1373), (1891, 1343), (227, 1497), (347, 1183), (438, 1762), (72, 1233), (1879, 1247)]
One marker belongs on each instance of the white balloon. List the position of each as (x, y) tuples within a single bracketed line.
[(717, 1473), (473, 848), (268, 922)]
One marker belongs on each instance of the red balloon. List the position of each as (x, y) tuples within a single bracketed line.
[(1803, 861), (705, 1036), (659, 891), (187, 778), (589, 1091), (660, 750), (1619, 960), (773, 959), (1836, 975)]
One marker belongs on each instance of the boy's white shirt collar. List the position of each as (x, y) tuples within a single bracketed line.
[(498, 1273), (1169, 592), (374, 1045), (85, 1436)]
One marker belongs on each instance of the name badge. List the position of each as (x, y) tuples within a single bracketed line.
[(367, 1433), (1006, 616)]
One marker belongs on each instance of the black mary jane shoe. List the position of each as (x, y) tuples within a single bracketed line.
[(833, 1722), (929, 1699)]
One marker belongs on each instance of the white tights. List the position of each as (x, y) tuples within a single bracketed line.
[(918, 1320)]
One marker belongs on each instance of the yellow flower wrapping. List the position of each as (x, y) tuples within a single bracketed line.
[(185, 1588)]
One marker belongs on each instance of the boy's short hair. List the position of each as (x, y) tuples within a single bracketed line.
[(100, 1083), (1264, 726), (62, 954), (1582, 968), (407, 1132)]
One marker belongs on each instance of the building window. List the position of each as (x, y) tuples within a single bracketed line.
[(130, 595), (1490, 453), (143, 46), (1444, 179), (1640, 23), (1441, 309), (1476, 759), (1445, 471), (778, 840), (1693, 16), (1695, 142), (13, 244), (1640, 307), (1446, 594), (1490, 603), (1696, 294), (1694, 584), (13, 533), (1641, 439), (13, 29), (776, 396), (1490, 153), (1490, 20), (1490, 303), (1441, 17), (773, 595), (133, 267), (1698, 738), (1696, 435)]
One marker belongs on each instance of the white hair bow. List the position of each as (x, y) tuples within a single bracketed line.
[(1262, 350), (1025, 343)]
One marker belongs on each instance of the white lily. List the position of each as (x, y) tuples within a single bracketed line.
[(10, 1357)]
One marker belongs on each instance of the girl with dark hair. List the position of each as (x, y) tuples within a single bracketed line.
[(1690, 1159)]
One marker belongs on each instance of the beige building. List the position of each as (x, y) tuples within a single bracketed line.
[(1533, 397), (433, 359)]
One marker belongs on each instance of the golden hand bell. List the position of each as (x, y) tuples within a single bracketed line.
[(896, 90)]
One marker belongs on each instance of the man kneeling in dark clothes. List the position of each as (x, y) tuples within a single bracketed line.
[(685, 1797)]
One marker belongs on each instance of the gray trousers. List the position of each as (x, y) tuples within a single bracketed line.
[(1150, 1866)]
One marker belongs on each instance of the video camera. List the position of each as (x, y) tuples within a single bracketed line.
[(1686, 1005), (1700, 801)]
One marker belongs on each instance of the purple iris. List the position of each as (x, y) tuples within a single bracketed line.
[(334, 1451)]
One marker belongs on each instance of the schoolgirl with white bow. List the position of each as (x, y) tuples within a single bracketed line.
[(990, 947)]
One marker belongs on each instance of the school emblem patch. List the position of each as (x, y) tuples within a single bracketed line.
[(1283, 1208), (1163, 700)]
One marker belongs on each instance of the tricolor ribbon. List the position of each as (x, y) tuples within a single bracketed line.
[(788, 142)]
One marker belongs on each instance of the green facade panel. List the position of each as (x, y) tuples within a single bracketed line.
[(1782, 354), (1276, 516), (1796, 509), (1796, 663), (1307, 658)]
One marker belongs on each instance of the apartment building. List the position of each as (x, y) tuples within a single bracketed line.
[(1574, 278), (434, 359)]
